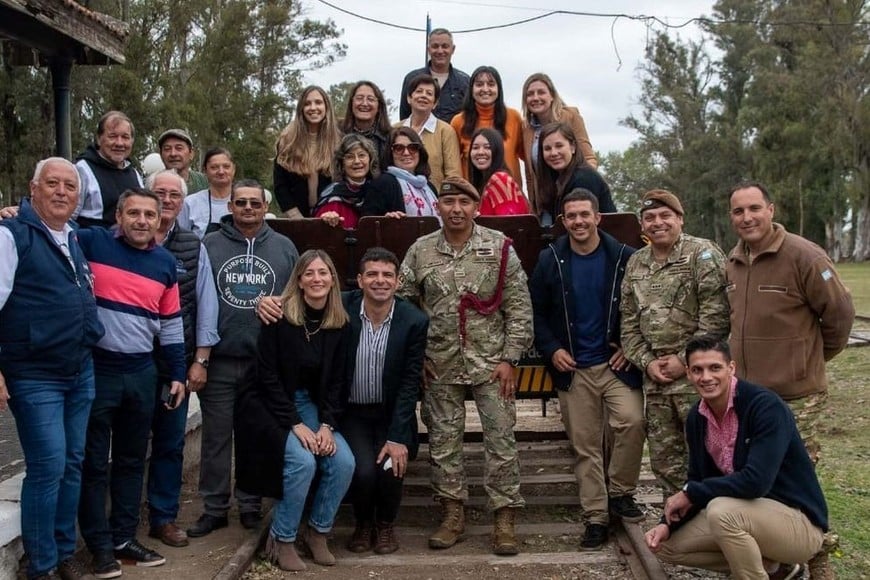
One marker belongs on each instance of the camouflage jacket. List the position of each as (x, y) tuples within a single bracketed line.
[(664, 305), (435, 276)]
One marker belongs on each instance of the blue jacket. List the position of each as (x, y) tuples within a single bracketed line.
[(553, 302), (49, 322), (403, 365), (770, 459)]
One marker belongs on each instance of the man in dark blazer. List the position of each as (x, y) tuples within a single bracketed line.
[(388, 345)]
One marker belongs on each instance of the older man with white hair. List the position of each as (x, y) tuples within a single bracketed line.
[(199, 314), (48, 324)]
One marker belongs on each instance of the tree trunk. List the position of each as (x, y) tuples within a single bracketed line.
[(862, 231)]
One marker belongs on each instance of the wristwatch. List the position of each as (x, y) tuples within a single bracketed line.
[(203, 361), (514, 362)]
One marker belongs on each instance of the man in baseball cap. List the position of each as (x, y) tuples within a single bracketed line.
[(177, 152)]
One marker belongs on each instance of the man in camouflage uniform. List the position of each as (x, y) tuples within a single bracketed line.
[(469, 280), (673, 289)]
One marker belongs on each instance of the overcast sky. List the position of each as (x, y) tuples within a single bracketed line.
[(592, 61)]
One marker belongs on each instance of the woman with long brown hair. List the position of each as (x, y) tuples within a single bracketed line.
[(542, 105), (367, 115), (304, 154), (289, 414)]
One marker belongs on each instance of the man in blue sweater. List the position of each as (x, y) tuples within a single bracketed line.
[(752, 504), (575, 292)]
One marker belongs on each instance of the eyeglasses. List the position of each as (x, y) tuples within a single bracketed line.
[(365, 99), (359, 156), (254, 203), (173, 195), (400, 148)]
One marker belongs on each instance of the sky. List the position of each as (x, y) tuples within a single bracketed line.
[(592, 60)]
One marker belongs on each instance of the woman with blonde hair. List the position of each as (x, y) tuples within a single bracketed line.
[(542, 105), (304, 154), (288, 413)]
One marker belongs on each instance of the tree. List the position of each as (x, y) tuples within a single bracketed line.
[(226, 70)]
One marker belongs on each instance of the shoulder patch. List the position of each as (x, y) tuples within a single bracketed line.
[(705, 255), (827, 274)]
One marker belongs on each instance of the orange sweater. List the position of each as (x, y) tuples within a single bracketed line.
[(513, 142)]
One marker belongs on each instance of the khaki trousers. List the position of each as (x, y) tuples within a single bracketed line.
[(741, 535), (595, 394)]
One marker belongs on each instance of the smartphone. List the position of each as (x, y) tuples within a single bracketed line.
[(166, 396), (388, 463)]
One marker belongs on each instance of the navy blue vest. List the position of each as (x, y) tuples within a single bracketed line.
[(49, 323)]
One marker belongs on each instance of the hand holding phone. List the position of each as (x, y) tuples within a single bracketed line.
[(167, 397)]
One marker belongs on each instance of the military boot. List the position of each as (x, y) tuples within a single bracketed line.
[(504, 539), (452, 525)]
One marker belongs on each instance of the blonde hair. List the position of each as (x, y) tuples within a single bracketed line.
[(294, 302), (557, 105), (297, 150)]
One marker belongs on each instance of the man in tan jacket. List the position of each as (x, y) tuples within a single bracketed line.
[(790, 313)]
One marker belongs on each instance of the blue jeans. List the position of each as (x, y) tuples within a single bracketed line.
[(167, 459), (300, 466), (121, 420), (51, 418)]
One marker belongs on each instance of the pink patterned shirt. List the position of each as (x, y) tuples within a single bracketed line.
[(721, 436)]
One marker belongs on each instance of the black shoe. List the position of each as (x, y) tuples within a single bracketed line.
[(135, 554), (626, 508), (250, 520), (105, 565), (206, 524), (787, 572), (594, 537)]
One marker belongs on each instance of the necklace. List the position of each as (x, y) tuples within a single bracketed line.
[(309, 334)]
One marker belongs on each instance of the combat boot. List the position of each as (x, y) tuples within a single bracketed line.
[(504, 539), (452, 525)]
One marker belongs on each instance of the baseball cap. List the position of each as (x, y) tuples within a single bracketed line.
[(178, 134)]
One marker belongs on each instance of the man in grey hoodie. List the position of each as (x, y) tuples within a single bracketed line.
[(249, 261)]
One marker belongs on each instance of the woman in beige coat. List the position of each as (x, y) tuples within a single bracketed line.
[(542, 105)]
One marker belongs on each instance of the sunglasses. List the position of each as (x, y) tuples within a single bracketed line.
[(254, 203), (409, 148)]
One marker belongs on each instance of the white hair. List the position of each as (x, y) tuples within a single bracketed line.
[(40, 166), (151, 179)]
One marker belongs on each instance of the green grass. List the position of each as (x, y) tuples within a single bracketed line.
[(856, 277), (844, 468)]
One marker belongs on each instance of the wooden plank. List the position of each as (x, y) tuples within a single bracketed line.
[(531, 500), (531, 529), (447, 558)]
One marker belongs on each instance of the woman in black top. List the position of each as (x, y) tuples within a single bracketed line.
[(367, 115), (563, 169), (287, 417)]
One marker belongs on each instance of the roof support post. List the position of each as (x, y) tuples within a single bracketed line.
[(61, 67)]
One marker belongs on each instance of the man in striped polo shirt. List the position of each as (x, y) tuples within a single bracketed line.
[(136, 288)]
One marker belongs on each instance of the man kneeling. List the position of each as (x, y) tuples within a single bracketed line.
[(752, 505)]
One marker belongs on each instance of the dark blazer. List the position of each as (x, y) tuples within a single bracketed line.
[(770, 459), (265, 409), (291, 189), (403, 365), (553, 303), (587, 177)]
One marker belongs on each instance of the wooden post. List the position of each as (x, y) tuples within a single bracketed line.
[(61, 68)]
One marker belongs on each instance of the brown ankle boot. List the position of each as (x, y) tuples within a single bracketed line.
[(284, 554), (361, 541), (317, 543), (386, 542), (452, 525), (504, 539)]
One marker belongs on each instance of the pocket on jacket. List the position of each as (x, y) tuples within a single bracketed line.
[(783, 357)]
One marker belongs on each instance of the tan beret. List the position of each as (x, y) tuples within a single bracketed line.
[(661, 198), (458, 186)]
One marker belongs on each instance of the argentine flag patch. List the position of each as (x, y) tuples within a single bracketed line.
[(827, 274)]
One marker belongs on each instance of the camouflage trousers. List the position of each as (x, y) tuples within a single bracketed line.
[(443, 413), (666, 436), (807, 412)]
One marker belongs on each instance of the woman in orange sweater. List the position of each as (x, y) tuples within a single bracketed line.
[(484, 107)]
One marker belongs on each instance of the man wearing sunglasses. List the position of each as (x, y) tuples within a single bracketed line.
[(249, 261)]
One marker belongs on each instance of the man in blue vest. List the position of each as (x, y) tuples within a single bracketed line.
[(199, 315), (48, 324)]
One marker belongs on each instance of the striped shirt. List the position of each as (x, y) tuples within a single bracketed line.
[(368, 373)]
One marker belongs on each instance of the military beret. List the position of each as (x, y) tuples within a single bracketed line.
[(178, 134), (660, 198), (458, 186)]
